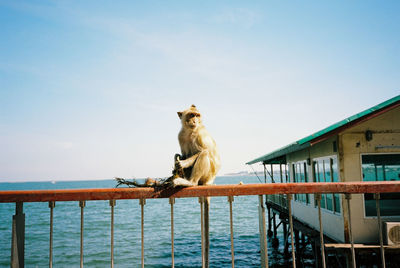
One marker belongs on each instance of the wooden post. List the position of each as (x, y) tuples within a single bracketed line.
[(18, 237)]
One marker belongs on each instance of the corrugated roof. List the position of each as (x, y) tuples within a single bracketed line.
[(306, 141)]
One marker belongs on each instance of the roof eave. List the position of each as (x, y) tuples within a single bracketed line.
[(330, 131)]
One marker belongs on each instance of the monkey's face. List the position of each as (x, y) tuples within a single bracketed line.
[(190, 118)]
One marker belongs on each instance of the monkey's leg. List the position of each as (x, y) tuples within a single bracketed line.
[(182, 182), (201, 168)]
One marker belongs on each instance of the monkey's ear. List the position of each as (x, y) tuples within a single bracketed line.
[(193, 106), (180, 114)]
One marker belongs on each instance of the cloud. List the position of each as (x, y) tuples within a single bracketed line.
[(238, 16)]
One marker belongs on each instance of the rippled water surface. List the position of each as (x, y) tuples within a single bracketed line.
[(127, 240)]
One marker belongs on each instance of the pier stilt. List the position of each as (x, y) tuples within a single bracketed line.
[(297, 239), (303, 240), (269, 221), (297, 245), (275, 241), (285, 237), (316, 251)]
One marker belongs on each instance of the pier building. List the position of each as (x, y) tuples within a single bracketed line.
[(364, 147)]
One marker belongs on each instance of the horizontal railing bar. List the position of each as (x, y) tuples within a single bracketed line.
[(198, 191)]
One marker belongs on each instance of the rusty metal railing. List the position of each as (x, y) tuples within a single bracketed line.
[(83, 195)]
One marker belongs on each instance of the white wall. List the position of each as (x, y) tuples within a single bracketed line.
[(386, 132), (333, 224)]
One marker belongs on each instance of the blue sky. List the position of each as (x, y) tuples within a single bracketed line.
[(90, 89)]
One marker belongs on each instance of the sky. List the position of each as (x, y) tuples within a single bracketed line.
[(91, 89)]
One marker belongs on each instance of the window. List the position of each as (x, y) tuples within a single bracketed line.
[(284, 174), (381, 167), (335, 178), (300, 175), (326, 170)]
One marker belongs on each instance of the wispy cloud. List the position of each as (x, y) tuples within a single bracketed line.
[(243, 17)]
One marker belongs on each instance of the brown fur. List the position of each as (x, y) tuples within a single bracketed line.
[(200, 159)]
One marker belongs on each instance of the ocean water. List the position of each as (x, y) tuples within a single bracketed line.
[(127, 230)]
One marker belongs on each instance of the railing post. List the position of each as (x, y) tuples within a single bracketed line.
[(18, 237), (205, 241), (52, 204), (263, 235), (142, 203), (321, 230), (201, 201), (112, 205), (289, 199), (207, 230), (172, 202), (378, 213), (230, 200), (353, 255), (82, 205)]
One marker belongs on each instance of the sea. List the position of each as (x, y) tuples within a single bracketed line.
[(127, 230)]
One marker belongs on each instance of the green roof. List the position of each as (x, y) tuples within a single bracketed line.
[(278, 156)]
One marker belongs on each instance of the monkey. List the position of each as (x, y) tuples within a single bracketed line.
[(199, 157)]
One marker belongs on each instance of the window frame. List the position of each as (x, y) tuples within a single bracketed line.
[(363, 195), (304, 170), (330, 159)]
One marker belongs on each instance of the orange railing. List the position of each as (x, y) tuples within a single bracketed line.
[(199, 191), (82, 195)]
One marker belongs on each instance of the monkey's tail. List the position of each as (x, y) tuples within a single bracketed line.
[(158, 184), (133, 183)]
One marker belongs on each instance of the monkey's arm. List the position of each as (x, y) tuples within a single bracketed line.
[(188, 162)]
